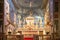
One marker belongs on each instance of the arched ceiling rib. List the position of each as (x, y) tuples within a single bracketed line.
[(25, 4), (37, 8)]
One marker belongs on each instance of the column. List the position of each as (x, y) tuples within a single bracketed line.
[(59, 17), (51, 10)]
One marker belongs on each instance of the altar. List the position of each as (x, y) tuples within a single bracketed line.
[(29, 29)]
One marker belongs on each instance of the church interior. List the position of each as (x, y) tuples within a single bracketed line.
[(29, 20)]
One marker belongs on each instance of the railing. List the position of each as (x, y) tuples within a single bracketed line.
[(15, 37), (42, 37), (11, 37), (21, 37)]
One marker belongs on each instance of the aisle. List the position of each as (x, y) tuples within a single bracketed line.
[(28, 38)]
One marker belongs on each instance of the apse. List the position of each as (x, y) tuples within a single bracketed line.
[(27, 16)]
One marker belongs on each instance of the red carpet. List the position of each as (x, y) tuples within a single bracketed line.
[(28, 38)]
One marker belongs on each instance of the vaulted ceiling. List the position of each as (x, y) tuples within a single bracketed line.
[(23, 6), (26, 3)]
